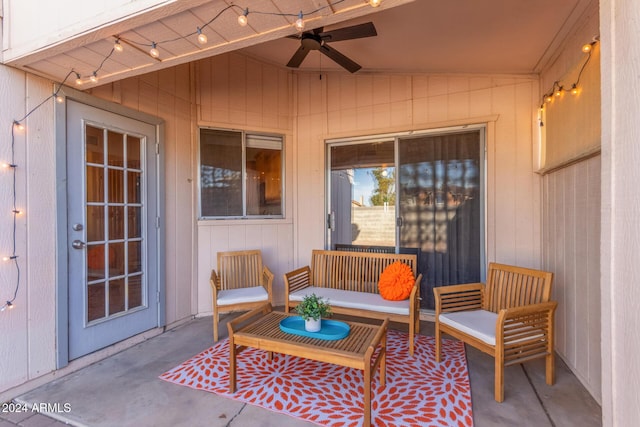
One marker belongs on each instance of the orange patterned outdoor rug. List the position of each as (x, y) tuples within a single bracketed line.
[(419, 391)]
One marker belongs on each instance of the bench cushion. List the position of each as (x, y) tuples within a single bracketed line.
[(242, 295), (353, 299), (480, 324)]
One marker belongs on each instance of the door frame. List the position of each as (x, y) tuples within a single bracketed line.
[(62, 244)]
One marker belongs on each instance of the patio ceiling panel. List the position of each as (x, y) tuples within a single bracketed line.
[(464, 36)]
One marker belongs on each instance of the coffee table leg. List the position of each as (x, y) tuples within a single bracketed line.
[(232, 366), (367, 396), (383, 360)]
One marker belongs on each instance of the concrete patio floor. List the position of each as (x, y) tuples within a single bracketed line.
[(124, 390)]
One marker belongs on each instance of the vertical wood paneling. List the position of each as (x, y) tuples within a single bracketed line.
[(572, 252), (28, 330), (36, 192)]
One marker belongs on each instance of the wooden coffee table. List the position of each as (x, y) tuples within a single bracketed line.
[(260, 328)]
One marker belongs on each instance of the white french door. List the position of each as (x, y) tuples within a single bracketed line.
[(112, 228)]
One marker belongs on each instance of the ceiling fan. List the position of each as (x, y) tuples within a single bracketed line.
[(318, 40)]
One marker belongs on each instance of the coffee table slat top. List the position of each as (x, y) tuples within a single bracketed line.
[(356, 343)]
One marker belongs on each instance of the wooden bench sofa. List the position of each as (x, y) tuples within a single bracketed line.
[(510, 318), (349, 280)]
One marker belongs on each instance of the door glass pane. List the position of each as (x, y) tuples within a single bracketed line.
[(116, 296), (135, 291), (94, 146), (116, 222), (133, 152), (95, 223), (135, 222), (115, 150), (440, 206), (220, 173), (116, 186), (95, 184), (95, 262), (116, 259), (363, 194), (135, 257), (133, 190)]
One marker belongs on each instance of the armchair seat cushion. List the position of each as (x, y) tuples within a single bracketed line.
[(242, 295), (353, 299), (480, 324)]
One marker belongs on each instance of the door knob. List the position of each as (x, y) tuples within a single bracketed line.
[(78, 244)]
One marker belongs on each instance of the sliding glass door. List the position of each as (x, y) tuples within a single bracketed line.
[(421, 193)]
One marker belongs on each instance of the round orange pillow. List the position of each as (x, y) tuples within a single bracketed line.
[(396, 282)]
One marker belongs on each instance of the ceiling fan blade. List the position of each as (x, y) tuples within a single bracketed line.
[(348, 33), (340, 59), (298, 57)]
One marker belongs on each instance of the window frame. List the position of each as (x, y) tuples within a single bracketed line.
[(244, 134)]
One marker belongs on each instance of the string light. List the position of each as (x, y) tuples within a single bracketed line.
[(154, 52), (117, 46), (17, 125), (300, 22), (574, 89), (242, 19), (78, 80), (557, 89), (375, 3), (94, 77), (202, 38)]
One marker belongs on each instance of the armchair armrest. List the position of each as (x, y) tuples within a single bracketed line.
[(267, 281), (526, 322), (214, 281), (296, 280), (414, 297), (458, 297)]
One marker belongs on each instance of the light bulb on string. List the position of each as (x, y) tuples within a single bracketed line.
[(559, 91), (242, 19), (19, 126), (94, 77), (587, 48), (154, 52), (375, 3), (78, 79), (202, 38), (117, 46), (59, 99), (574, 89), (548, 98), (300, 22)]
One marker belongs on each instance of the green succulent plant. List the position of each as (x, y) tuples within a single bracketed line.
[(313, 307)]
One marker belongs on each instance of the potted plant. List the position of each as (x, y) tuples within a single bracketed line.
[(312, 308)]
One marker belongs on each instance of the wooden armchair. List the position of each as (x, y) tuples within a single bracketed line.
[(509, 318), (241, 283)]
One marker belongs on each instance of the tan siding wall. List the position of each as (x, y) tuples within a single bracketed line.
[(572, 252), (28, 330), (572, 217), (341, 105)]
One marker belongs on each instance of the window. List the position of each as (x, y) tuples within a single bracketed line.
[(227, 156)]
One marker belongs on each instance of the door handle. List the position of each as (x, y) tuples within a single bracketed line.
[(78, 244)]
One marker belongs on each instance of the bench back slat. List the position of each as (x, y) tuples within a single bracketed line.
[(354, 271), (509, 286)]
